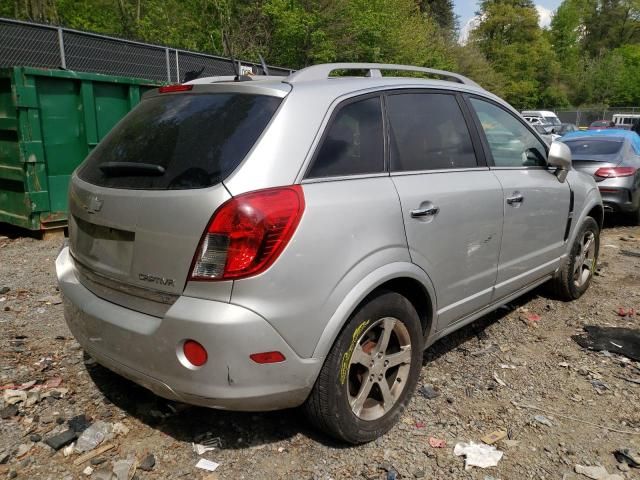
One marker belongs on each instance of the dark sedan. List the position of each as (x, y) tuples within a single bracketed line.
[(612, 157), (600, 124)]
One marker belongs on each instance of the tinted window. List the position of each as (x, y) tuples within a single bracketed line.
[(427, 131), (179, 141), (511, 143), (353, 143), (594, 147)]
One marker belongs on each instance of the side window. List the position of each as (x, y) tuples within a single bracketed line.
[(511, 143), (354, 142), (427, 131)]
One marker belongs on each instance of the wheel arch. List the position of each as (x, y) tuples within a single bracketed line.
[(592, 207), (404, 278), (597, 213)]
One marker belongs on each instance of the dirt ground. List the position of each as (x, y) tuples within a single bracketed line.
[(489, 375)]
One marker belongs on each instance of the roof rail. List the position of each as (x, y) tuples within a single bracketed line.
[(323, 71)]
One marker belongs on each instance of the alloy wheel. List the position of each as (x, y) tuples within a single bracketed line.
[(585, 259), (379, 368)]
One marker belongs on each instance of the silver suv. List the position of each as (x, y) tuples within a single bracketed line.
[(265, 244)]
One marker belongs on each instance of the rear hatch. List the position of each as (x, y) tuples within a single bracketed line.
[(591, 154), (140, 202)]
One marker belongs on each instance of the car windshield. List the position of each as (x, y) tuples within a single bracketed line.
[(581, 147), (540, 129), (552, 120), (600, 123)]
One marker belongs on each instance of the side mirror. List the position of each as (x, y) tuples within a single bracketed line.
[(560, 157)]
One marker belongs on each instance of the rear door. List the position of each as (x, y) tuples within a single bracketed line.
[(451, 202), (140, 202), (535, 203)]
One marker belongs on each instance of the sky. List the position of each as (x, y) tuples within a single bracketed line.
[(466, 10)]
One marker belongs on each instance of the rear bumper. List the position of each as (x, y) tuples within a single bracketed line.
[(618, 199), (145, 349)]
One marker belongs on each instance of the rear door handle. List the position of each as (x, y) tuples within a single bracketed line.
[(515, 199), (424, 212)]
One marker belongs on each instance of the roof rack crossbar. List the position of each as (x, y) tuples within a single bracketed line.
[(323, 71)]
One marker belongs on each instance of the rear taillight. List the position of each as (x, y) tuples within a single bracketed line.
[(613, 172), (175, 88), (247, 233)]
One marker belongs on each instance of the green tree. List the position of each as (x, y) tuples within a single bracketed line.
[(610, 24), (441, 11), (511, 40)]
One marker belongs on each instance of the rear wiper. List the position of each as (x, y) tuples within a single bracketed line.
[(123, 169)]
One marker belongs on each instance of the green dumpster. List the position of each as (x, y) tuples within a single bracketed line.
[(49, 121)]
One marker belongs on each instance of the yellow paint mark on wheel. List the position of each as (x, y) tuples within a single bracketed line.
[(346, 357)]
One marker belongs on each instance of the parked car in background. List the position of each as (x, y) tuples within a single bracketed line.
[(542, 117), (565, 128), (601, 124), (275, 242), (625, 120), (612, 157), (547, 137)]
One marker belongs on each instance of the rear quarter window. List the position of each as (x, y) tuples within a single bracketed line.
[(177, 142)]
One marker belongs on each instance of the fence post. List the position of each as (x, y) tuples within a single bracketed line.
[(63, 59), (166, 52), (177, 68)]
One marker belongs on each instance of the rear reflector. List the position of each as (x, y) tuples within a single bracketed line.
[(608, 190), (175, 88), (613, 172), (267, 357), (248, 233), (195, 353)]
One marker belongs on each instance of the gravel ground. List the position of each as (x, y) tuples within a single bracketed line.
[(487, 377)]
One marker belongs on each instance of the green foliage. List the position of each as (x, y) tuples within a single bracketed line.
[(589, 55), (441, 11)]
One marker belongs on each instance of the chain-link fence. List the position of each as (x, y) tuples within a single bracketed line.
[(36, 45), (583, 118)]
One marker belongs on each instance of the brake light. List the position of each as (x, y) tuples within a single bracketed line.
[(247, 233), (175, 88), (613, 172)]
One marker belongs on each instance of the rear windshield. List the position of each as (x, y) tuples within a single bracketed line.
[(177, 142), (594, 147)]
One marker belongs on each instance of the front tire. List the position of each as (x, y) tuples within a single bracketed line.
[(574, 277), (371, 371)]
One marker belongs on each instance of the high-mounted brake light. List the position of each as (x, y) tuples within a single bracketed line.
[(175, 88), (613, 172), (247, 233)]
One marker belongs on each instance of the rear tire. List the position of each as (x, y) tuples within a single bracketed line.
[(576, 272), (371, 371)]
